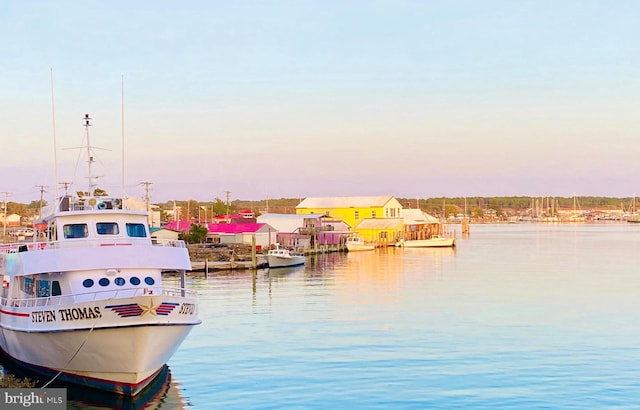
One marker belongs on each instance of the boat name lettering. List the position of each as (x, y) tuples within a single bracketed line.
[(187, 309), (80, 313), (43, 316)]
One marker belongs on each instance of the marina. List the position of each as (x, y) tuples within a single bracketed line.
[(515, 316)]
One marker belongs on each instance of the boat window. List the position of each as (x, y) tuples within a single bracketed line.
[(27, 285), (55, 288), (87, 283), (43, 288), (75, 231), (149, 280), (135, 281), (136, 230), (107, 228), (119, 281), (104, 282)]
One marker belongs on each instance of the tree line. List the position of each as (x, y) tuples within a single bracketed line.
[(438, 206)]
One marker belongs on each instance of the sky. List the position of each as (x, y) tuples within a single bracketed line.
[(291, 99)]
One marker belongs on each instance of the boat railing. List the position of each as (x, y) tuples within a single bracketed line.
[(61, 300), (39, 246)]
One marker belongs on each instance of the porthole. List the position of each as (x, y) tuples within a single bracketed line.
[(149, 280), (87, 283), (104, 282), (135, 281), (119, 281)]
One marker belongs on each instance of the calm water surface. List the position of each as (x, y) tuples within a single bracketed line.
[(517, 316)]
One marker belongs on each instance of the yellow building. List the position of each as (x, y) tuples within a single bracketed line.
[(352, 209), (381, 232)]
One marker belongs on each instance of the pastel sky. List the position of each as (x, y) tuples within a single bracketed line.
[(272, 99)]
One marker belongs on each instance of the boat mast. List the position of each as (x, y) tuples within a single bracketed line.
[(92, 181), (55, 147), (122, 132)]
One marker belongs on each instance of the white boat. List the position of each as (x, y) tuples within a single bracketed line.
[(356, 243), (280, 257), (87, 304), (436, 241)]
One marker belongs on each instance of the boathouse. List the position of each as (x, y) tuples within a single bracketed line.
[(381, 232), (420, 225), (303, 232)]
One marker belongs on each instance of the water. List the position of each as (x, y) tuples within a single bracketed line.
[(517, 316)]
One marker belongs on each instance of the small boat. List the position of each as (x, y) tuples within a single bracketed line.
[(87, 304), (436, 241), (356, 243), (280, 257)]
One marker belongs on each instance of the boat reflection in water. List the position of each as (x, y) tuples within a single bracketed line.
[(161, 393), (283, 271)]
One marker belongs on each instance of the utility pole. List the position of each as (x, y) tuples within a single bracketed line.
[(42, 191), (66, 186), (4, 223)]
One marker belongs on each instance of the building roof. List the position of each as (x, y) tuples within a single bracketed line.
[(235, 228), (298, 217), (345, 202), (179, 226), (379, 223), (417, 217)]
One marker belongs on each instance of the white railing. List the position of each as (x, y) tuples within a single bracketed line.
[(81, 243), (100, 295)]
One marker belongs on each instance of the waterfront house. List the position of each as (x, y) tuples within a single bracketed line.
[(163, 234), (257, 234), (310, 231), (351, 209), (420, 225), (382, 232), (10, 220)]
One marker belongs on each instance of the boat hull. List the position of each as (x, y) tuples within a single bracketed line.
[(121, 360), (430, 243), (115, 344), (281, 262), (358, 247)]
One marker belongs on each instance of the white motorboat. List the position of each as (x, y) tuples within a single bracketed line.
[(281, 257), (87, 305), (435, 241), (355, 243)]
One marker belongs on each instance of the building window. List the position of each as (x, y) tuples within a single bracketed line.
[(356, 215), (373, 213), (393, 212), (386, 212)]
